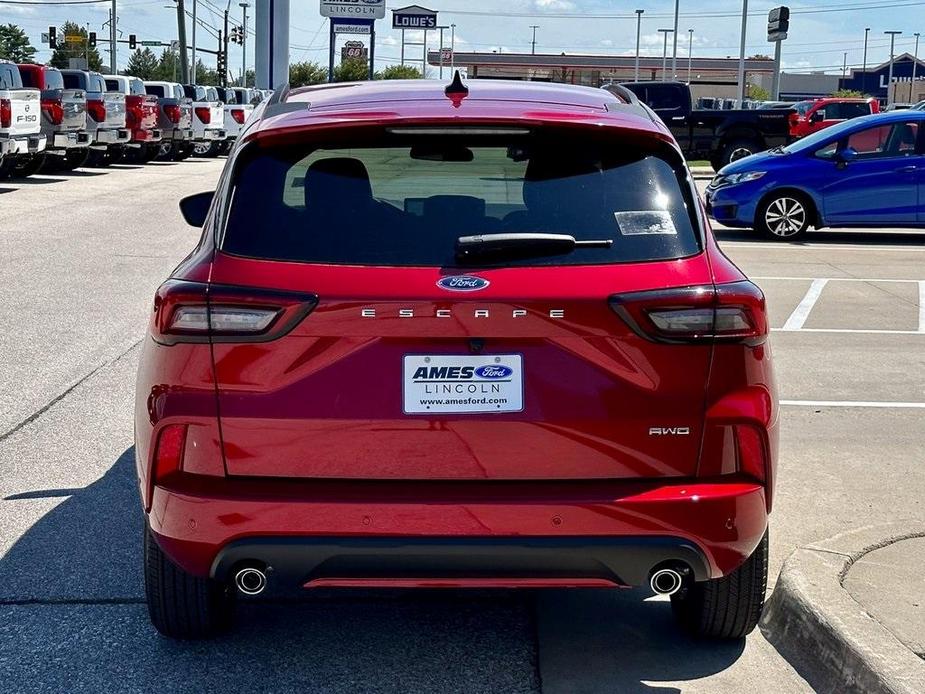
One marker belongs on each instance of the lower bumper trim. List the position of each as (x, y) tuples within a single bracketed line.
[(460, 561)]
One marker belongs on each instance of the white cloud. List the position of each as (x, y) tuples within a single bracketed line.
[(554, 5)]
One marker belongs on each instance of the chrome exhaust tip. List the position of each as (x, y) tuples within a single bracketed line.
[(666, 582), (250, 580)]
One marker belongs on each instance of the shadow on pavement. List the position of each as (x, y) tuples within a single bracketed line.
[(912, 237), (36, 180), (72, 618)]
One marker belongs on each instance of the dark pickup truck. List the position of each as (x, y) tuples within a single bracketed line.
[(717, 136)]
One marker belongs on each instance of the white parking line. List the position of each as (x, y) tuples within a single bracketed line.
[(849, 331), (765, 246), (801, 312), (834, 279), (854, 403), (922, 306)]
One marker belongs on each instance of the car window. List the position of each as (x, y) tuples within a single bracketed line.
[(406, 203), (178, 92), (892, 140), (9, 76), (96, 84), (802, 107), (136, 87), (189, 91), (72, 81), (853, 110), (155, 90), (113, 86), (827, 152)]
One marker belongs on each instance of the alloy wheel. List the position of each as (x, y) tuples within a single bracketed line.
[(739, 153), (785, 217)]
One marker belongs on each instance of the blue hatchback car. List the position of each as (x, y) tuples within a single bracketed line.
[(865, 172)]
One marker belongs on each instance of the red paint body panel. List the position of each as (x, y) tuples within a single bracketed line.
[(305, 435)]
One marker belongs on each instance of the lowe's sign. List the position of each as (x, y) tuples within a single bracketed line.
[(414, 17)]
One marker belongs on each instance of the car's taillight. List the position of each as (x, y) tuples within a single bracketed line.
[(726, 312), (793, 119), (6, 113), (53, 110), (195, 312), (168, 455), (238, 115), (173, 112), (204, 114), (97, 110)]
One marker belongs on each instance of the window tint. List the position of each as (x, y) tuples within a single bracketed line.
[(53, 79), (852, 110), (406, 203), (136, 87), (155, 90), (894, 140), (72, 81), (189, 90), (113, 86)]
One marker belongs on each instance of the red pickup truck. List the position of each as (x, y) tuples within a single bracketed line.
[(810, 116)]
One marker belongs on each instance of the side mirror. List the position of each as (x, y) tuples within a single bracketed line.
[(195, 208), (847, 155)]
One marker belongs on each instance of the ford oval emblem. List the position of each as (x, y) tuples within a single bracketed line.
[(462, 283), (494, 371)]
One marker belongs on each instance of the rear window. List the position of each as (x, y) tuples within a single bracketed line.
[(113, 86), (212, 94), (72, 81), (9, 76), (136, 87), (404, 200), (155, 90), (96, 84), (228, 96), (178, 92)]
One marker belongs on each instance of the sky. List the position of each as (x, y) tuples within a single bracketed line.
[(821, 31)]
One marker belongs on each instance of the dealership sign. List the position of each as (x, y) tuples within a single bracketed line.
[(353, 9), (353, 26), (414, 17)]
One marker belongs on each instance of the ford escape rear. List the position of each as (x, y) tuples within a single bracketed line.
[(465, 338)]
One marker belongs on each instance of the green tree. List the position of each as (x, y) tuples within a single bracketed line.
[(302, 74), (351, 70), (758, 93), (142, 64), (74, 49), (206, 75), (847, 94), (14, 44), (399, 72), (168, 66)]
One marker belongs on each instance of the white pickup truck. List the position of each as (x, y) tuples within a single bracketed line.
[(208, 119), (238, 108), (21, 136)]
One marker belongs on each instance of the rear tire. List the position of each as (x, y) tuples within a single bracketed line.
[(183, 151), (75, 158), (96, 159), (180, 605), (727, 607), (738, 149), (784, 216)]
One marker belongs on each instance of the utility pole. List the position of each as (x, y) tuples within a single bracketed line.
[(452, 48), (665, 33), (441, 28), (674, 51), (844, 66), (192, 75), (915, 64), (638, 34), (224, 50), (533, 43), (741, 76), (181, 34), (864, 68), (113, 63), (690, 54), (889, 82), (244, 7)]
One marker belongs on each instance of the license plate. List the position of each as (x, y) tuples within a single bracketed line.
[(446, 384)]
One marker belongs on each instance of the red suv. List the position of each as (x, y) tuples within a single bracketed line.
[(455, 337), (810, 116)]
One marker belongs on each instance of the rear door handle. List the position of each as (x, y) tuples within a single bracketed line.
[(906, 169)]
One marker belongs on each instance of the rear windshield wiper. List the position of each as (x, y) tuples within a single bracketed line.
[(523, 245)]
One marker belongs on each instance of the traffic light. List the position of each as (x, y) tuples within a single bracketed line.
[(221, 65), (91, 39), (237, 35), (132, 42), (52, 37)]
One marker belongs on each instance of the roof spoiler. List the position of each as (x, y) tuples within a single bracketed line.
[(278, 104), (618, 90)]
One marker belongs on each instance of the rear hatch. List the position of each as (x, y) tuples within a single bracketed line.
[(25, 112), (115, 110), (74, 105), (422, 360)]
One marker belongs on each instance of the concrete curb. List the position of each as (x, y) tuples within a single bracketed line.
[(823, 631)]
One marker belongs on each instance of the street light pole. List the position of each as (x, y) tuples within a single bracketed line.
[(113, 63), (244, 7), (889, 82), (741, 76), (452, 47), (864, 66), (915, 64), (638, 33), (674, 50), (192, 72), (533, 43), (690, 53), (665, 33)]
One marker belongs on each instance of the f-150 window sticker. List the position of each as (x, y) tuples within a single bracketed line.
[(642, 222)]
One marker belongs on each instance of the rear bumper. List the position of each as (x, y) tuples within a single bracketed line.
[(212, 135), (147, 136), (351, 533), (181, 134), (115, 136), (25, 144), (71, 139)]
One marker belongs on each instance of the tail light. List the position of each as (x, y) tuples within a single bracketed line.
[(6, 113), (97, 110), (133, 111), (53, 110), (173, 112), (726, 312), (238, 115), (195, 312), (204, 114)]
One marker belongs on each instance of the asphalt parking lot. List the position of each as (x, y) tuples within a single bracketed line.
[(83, 254)]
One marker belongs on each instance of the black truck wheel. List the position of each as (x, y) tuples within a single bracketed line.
[(75, 158), (28, 166), (738, 149), (727, 607)]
